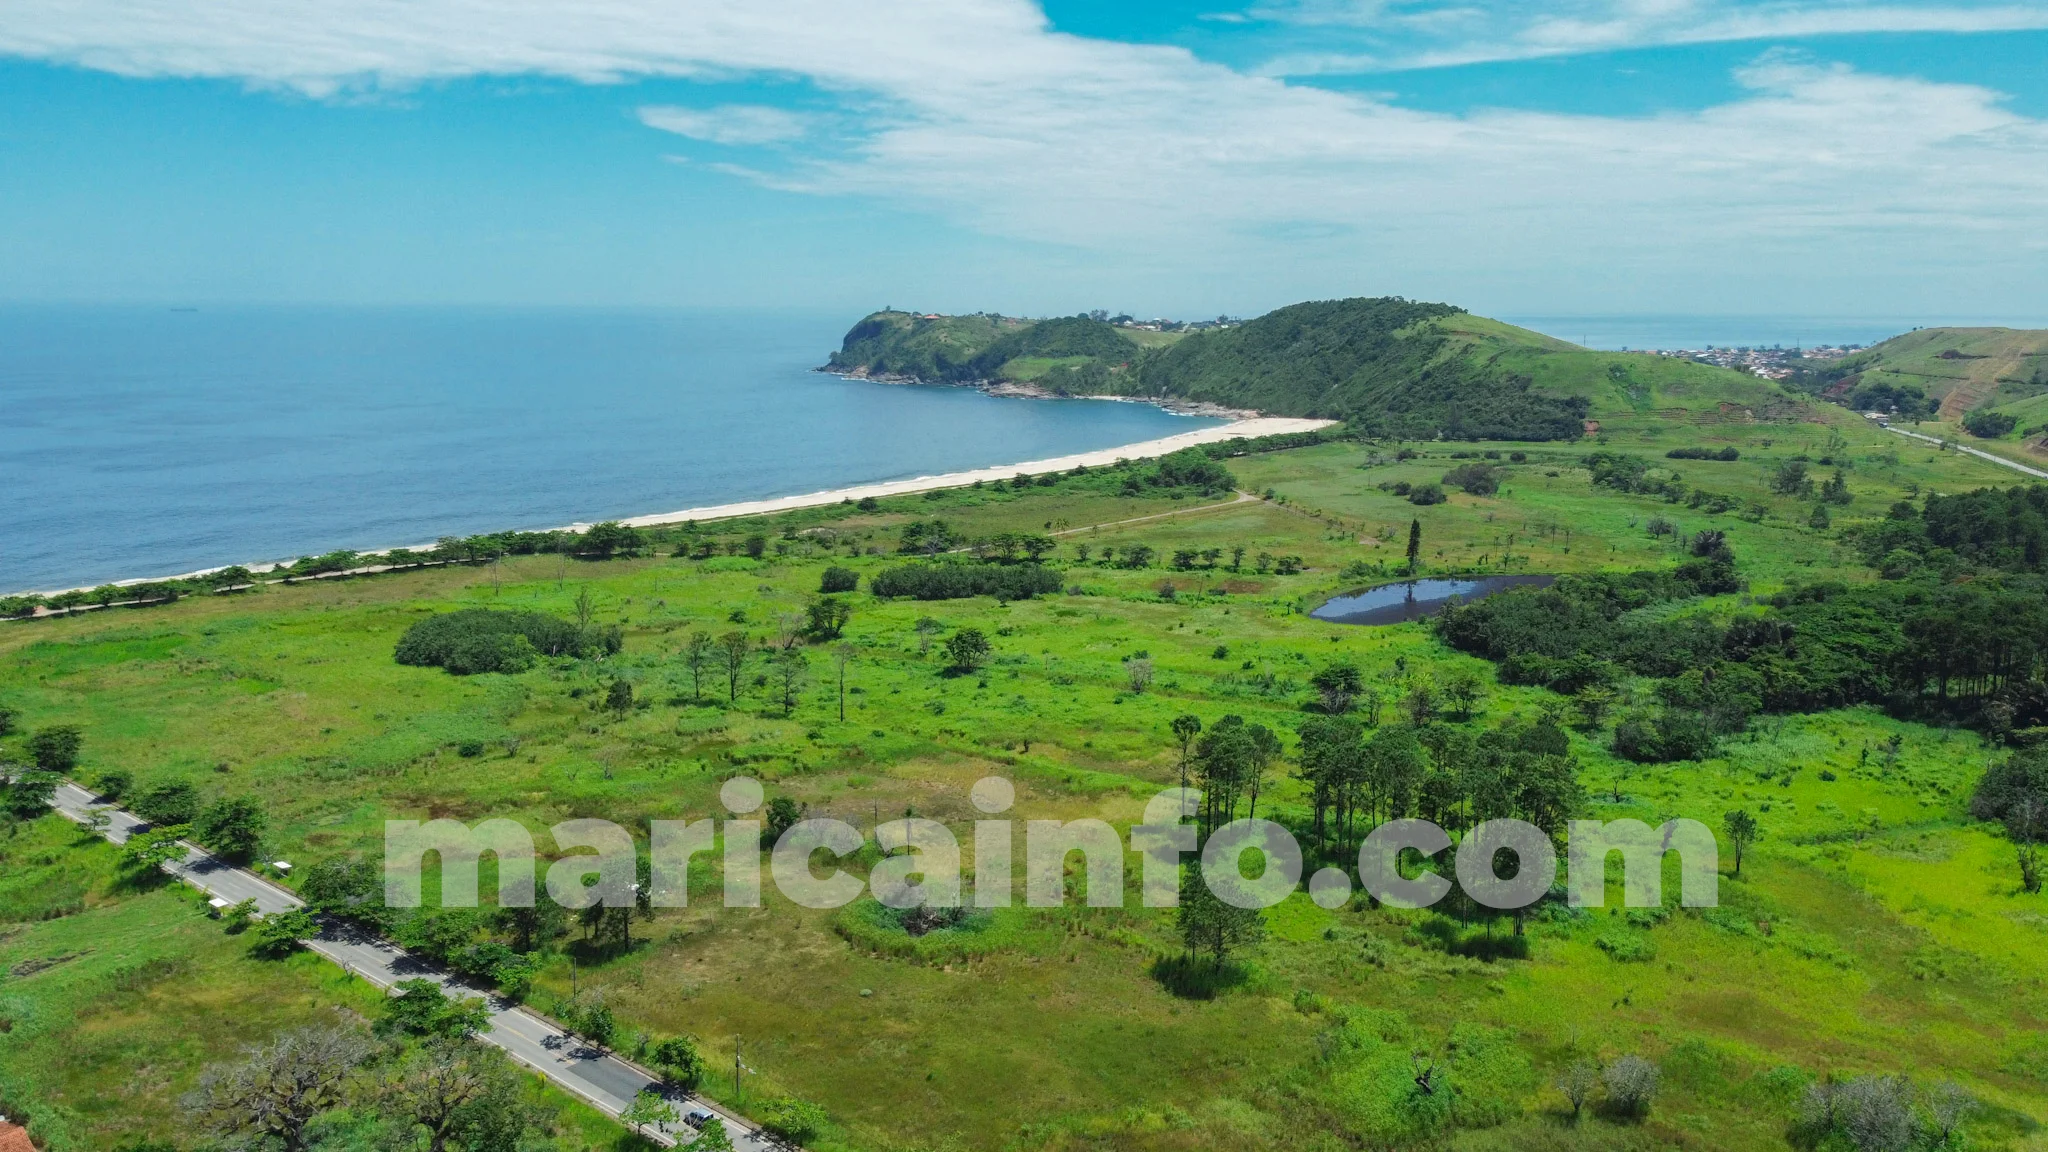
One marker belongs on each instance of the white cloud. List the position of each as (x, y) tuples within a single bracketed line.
[(1429, 34), (726, 124), (977, 111)]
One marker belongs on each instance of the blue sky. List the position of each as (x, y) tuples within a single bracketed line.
[(1822, 157)]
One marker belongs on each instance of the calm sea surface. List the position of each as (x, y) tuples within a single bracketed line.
[(142, 442)]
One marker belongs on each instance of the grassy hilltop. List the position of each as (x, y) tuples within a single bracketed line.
[(1985, 386), (1876, 929), (1388, 366), (1957, 369)]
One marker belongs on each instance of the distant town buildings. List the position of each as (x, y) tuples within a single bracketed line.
[(1161, 324), (1773, 363)]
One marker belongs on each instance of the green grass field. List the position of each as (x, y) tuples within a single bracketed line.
[(1874, 928), (110, 1008)]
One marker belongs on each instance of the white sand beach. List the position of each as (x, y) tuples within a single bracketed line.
[(1238, 430)]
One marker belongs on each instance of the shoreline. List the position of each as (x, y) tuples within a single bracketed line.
[(1245, 428), (1030, 391)]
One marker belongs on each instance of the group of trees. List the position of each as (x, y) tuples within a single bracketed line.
[(1359, 776), (2000, 529), (440, 1091), (1881, 1114), (1229, 763), (1989, 425), (946, 580), (26, 789), (2014, 792), (474, 640)]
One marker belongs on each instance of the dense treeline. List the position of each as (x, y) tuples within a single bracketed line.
[(1974, 651), (941, 580), (1359, 777), (602, 541), (482, 640), (2000, 528)]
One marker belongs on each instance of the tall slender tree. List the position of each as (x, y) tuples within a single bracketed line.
[(733, 650), (1186, 727), (697, 656)]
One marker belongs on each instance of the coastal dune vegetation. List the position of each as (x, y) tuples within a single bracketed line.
[(1823, 641)]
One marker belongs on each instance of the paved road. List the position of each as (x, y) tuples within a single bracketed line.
[(609, 1083), (1977, 452)]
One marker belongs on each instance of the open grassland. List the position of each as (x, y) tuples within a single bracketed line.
[(1874, 928)]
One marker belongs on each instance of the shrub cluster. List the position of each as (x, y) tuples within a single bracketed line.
[(1728, 453), (481, 640), (955, 581)]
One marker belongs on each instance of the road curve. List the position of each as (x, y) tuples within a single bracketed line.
[(1977, 452), (605, 1081)]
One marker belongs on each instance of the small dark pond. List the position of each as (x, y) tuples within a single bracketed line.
[(1414, 599)]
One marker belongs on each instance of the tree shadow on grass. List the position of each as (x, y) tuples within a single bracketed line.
[(1199, 977)]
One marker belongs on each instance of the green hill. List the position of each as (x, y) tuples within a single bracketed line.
[(1957, 369), (1387, 365)]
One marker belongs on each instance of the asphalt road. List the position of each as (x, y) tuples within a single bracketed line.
[(1977, 452), (607, 1082)]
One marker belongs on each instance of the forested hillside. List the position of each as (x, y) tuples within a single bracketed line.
[(1387, 366)]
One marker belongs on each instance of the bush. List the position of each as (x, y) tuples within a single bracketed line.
[(942, 580), (1476, 479), (481, 640), (165, 804), (1728, 453), (795, 1121), (1670, 735), (1426, 494), (679, 1062), (55, 749), (1626, 947), (1631, 1085), (1989, 425), (279, 934), (838, 579), (231, 827)]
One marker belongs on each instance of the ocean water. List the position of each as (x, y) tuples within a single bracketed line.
[(141, 442), (1649, 332)]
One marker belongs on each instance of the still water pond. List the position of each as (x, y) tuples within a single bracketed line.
[(1414, 599)]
